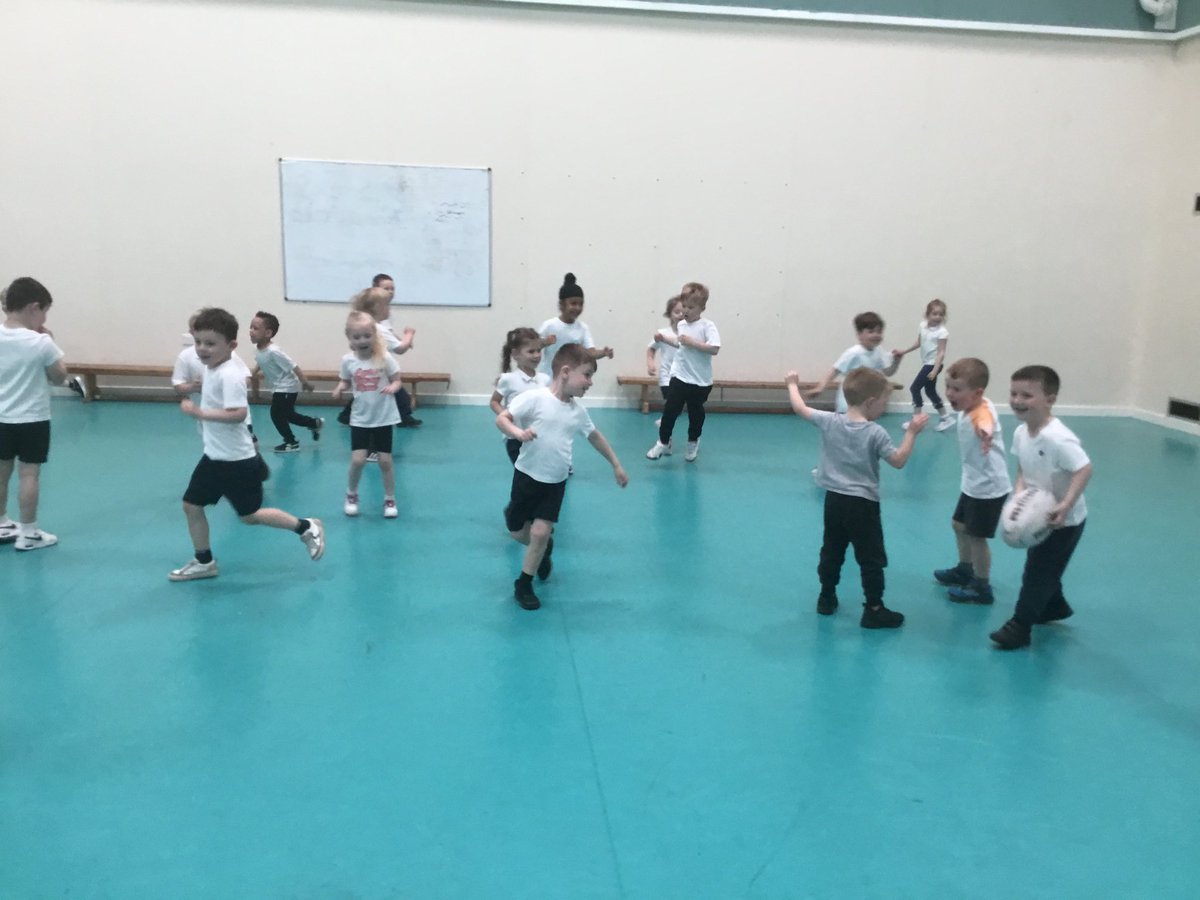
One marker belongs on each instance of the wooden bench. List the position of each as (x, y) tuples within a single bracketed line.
[(89, 372), (411, 381), (650, 395)]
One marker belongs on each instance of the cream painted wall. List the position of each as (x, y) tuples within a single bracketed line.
[(1165, 365), (804, 172)]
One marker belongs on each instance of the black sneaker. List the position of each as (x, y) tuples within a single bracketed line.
[(75, 383), (1056, 613), (546, 565), (316, 429), (285, 447), (826, 605), (953, 577), (344, 416), (976, 592), (880, 617), (410, 422), (1011, 635), (525, 596)]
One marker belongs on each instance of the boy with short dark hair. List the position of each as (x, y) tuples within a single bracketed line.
[(852, 443), (1050, 457), (545, 420), (865, 353), (30, 362), (984, 487), (229, 467), (285, 380)]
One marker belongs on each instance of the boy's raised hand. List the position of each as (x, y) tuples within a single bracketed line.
[(918, 423)]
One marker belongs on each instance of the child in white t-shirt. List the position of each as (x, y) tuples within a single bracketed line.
[(374, 377), (864, 354), (524, 347), (984, 486), (665, 344), (229, 467), (545, 420), (1050, 457), (30, 362), (697, 342), (931, 341), (382, 311), (566, 327), (285, 380)]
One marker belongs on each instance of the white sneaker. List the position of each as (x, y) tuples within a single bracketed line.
[(946, 422), (372, 458), (692, 451), (36, 541), (194, 570), (9, 532), (314, 539), (907, 422), (657, 423), (351, 507), (659, 449), (389, 509)]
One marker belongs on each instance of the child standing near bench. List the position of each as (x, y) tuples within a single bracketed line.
[(665, 344), (545, 421), (852, 443), (30, 362), (691, 380), (523, 346), (229, 467), (285, 380), (985, 483), (566, 327), (931, 341), (383, 316), (374, 377)]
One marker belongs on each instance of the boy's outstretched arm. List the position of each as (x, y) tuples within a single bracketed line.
[(1078, 482), (904, 451), (799, 407), (597, 440), (829, 378)]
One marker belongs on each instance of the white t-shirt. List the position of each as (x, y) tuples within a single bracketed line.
[(666, 355), (371, 409), (929, 338), (516, 382), (547, 458), (1049, 460), (574, 333), (390, 340), (858, 357), (225, 388), (984, 476), (691, 365), (189, 369), (277, 368), (25, 355)]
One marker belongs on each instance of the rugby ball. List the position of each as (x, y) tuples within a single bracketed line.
[(1024, 521)]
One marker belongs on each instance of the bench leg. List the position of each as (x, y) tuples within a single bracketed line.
[(413, 393), (90, 390), (645, 399)]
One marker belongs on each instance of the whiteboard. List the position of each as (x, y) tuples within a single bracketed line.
[(429, 227)]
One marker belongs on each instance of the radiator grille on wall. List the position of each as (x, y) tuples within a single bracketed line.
[(1182, 409)]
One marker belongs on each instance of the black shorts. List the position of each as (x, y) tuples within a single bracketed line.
[(979, 517), (532, 499), (27, 441), (373, 440), (239, 482)]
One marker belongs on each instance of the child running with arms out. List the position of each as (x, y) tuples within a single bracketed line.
[(1051, 458), (30, 362), (865, 353), (229, 467), (691, 380), (852, 443), (665, 344), (545, 420), (285, 379), (985, 484), (374, 377), (566, 328), (931, 341), (524, 347)]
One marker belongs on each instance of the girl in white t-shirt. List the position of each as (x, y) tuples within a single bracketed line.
[(374, 377), (931, 340), (524, 347), (567, 329), (665, 344)]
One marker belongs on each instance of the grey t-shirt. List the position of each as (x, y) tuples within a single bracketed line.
[(850, 454)]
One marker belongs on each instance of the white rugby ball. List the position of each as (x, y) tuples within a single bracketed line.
[(1025, 521)]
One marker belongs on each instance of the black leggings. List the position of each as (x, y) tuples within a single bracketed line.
[(680, 394), (923, 381), (284, 416)]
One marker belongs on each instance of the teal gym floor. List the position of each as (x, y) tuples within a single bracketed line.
[(675, 722)]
